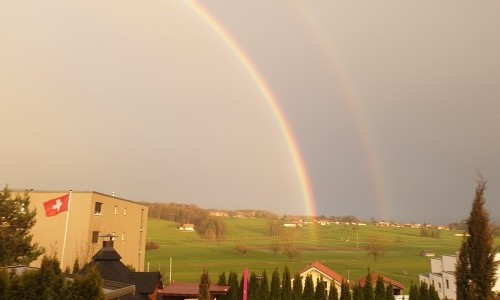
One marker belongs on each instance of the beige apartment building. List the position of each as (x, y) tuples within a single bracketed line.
[(91, 217)]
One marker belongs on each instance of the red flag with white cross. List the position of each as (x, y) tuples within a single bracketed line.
[(56, 206)]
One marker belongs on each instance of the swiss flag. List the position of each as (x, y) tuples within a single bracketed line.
[(57, 205)]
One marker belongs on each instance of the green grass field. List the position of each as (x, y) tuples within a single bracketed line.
[(339, 247)]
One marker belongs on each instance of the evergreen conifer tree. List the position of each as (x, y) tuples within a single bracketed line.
[(368, 288), (308, 289), (333, 294), (234, 287), (380, 289), (475, 269), (423, 291), (433, 294), (389, 292), (16, 222), (204, 290), (222, 279), (286, 285), (49, 278), (275, 293), (89, 287), (413, 293), (357, 292), (297, 287), (264, 287), (240, 288), (253, 287), (345, 293), (320, 292)]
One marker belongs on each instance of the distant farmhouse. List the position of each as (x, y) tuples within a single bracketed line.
[(92, 215), (187, 227)]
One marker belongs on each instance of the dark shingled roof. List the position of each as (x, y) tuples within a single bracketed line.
[(107, 262)]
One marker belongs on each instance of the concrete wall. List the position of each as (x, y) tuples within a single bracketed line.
[(436, 265)]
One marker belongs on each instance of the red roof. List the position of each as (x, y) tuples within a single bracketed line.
[(387, 280), (324, 270), (191, 289)]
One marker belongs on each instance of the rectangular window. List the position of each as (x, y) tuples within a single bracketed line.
[(95, 237), (123, 236), (116, 210), (447, 284), (124, 211), (98, 208), (439, 284)]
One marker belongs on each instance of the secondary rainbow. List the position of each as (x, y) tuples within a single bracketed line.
[(375, 170), (268, 96)]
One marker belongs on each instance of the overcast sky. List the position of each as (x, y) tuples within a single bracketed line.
[(394, 104)]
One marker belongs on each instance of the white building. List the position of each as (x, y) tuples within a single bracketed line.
[(442, 276)]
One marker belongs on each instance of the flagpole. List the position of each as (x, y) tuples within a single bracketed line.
[(66, 230)]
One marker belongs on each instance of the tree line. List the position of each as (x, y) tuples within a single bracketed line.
[(49, 282), (209, 227), (284, 287)]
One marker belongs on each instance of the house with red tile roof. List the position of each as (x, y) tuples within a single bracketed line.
[(318, 271), (397, 286)]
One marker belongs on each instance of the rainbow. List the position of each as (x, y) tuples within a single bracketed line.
[(374, 168), (267, 93)]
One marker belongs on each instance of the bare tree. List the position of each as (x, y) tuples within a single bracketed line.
[(290, 248), (376, 246)]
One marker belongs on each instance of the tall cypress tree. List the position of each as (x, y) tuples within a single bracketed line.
[(475, 269), (264, 287), (234, 287), (389, 292), (320, 293), (240, 288), (204, 288), (423, 291), (357, 292), (413, 291), (345, 293), (380, 289), (297, 287), (275, 286), (308, 289), (368, 288), (222, 279), (433, 294), (333, 294), (286, 285), (253, 287)]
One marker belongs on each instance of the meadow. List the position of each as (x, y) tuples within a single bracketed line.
[(342, 248)]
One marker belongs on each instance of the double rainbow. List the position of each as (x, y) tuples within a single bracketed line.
[(271, 100)]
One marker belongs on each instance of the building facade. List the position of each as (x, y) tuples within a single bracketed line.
[(78, 232), (442, 276), (318, 271)]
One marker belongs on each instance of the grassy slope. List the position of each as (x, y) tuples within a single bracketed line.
[(334, 245)]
